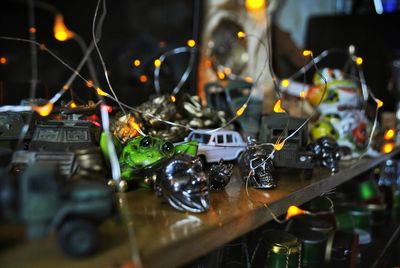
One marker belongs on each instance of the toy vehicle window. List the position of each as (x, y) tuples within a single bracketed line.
[(202, 138), (220, 139), (229, 138)]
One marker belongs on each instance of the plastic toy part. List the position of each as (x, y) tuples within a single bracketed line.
[(327, 153), (143, 155), (183, 184), (255, 167), (219, 175)]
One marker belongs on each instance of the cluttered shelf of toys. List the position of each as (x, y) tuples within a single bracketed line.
[(165, 237)]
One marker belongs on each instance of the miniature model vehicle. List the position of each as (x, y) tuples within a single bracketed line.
[(294, 153), (213, 146), (72, 209)]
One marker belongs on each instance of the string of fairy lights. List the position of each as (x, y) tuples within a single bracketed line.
[(62, 33)]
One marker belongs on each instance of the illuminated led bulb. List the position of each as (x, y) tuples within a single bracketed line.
[(73, 105), (285, 83), (379, 103), (143, 78), (173, 99), (101, 92), (3, 60), (32, 29), (61, 32), (221, 75), (303, 94), (307, 53), (228, 70), (241, 110), (136, 63), (293, 211), (254, 4), (44, 110), (279, 146), (359, 60), (191, 43), (278, 107), (248, 79), (388, 147), (389, 134), (157, 63), (241, 35)]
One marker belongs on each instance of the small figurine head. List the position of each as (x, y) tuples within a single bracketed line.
[(219, 175), (144, 151), (327, 153), (184, 184)]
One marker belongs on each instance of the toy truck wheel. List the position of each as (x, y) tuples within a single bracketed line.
[(78, 237)]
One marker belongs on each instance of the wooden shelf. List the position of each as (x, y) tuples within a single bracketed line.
[(164, 237)]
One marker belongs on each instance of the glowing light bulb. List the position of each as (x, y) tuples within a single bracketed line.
[(252, 5), (388, 147), (73, 105), (157, 63), (279, 146), (302, 94), (136, 63), (241, 110), (221, 75), (173, 99), (3, 60), (389, 134), (44, 110), (278, 107), (191, 43), (32, 29), (227, 71), (143, 78), (285, 83), (101, 92), (379, 103), (61, 32), (359, 60), (293, 211), (241, 35), (89, 83), (307, 53), (248, 79)]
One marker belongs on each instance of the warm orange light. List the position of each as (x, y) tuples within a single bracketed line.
[(241, 110), (278, 107), (101, 92), (32, 29), (143, 78), (293, 211), (252, 5), (44, 110), (389, 134), (61, 32), (379, 103), (285, 83), (89, 83), (302, 94), (221, 75), (157, 63), (388, 147), (241, 35), (227, 71), (173, 99), (191, 43), (248, 79), (73, 105), (136, 63), (359, 60), (279, 146), (307, 53), (3, 60)]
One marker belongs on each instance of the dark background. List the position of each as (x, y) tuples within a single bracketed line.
[(137, 29)]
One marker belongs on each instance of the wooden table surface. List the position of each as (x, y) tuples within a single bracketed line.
[(165, 237)]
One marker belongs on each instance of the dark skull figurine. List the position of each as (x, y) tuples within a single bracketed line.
[(327, 153), (219, 175), (184, 184), (255, 165)]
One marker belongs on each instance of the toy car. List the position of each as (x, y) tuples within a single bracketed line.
[(213, 146), (294, 153)]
